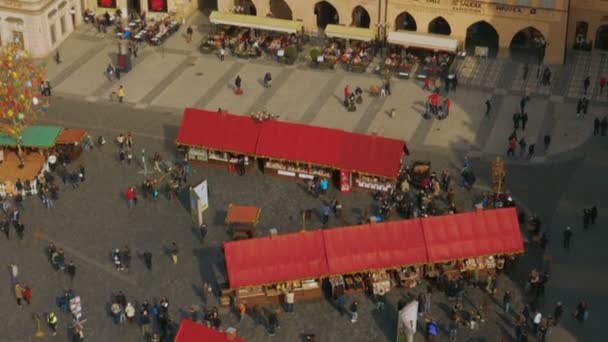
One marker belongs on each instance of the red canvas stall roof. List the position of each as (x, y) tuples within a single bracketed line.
[(301, 143), (372, 154), (473, 234), (194, 332), (215, 131), (377, 246), (276, 258)]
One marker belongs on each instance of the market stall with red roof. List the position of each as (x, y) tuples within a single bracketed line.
[(218, 137), (190, 331), (472, 240), (295, 260), (371, 161)]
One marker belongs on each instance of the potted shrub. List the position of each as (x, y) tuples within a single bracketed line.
[(207, 46), (314, 56), (291, 53)]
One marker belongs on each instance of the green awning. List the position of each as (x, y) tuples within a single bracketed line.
[(252, 21), (349, 32), (33, 136)]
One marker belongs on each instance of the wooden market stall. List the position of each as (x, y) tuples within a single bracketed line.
[(261, 270), (190, 331), (218, 138), (460, 244), (375, 257), (242, 220), (299, 151), (353, 46), (70, 141), (35, 143)]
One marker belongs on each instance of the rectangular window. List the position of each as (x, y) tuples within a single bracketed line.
[(106, 3), (157, 5), (53, 37)]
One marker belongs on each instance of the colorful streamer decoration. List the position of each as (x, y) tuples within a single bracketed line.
[(21, 98)]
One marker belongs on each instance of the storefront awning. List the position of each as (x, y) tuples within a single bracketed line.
[(195, 332), (423, 40), (221, 132), (274, 259), (349, 32), (376, 246), (256, 22), (301, 143), (70, 136), (473, 234), (241, 214), (33, 136), (372, 154)]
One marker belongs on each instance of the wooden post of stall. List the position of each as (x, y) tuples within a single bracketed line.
[(499, 173)]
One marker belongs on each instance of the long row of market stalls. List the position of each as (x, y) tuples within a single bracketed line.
[(371, 257), (291, 149)]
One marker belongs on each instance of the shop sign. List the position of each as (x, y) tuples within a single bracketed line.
[(466, 6), (514, 9)]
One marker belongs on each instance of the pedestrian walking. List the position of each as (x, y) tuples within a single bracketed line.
[(57, 57), (222, 53), (586, 83), (125, 256), (117, 260), (488, 107), (131, 197), (237, 82), (522, 103), (602, 83), (144, 318), (506, 301), (537, 319), (206, 291), (71, 270), (380, 300), (120, 93), (593, 214), (189, 32), (526, 70), (582, 311), (174, 252), (511, 147), (558, 312), (27, 294), (19, 293), (148, 260), (427, 83), (524, 120), (547, 142), (203, 232), (289, 301), (52, 321), (341, 303), (427, 299), (130, 313), (516, 119), (522, 147), (117, 74), (325, 215), (586, 218), (567, 237), (354, 314), (6, 228), (531, 148), (242, 312)]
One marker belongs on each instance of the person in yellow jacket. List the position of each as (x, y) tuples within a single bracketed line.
[(52, 321), (19, 293), (120, 93)]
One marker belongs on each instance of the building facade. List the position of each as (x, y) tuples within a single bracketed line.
[(152, 8), (508, 27), (38, 25)]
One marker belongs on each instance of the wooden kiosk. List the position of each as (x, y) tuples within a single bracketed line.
[(242, 221), (70, 141)]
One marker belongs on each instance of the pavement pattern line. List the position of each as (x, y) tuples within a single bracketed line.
[(328, 90), (369, 116), (217, 87), (72, 68), (172, 76), (488, 122), (277, 83), (106, 85), (106, 269), (105, 129)]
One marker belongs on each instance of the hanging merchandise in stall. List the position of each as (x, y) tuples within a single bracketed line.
[(106, 3), (157, 5)]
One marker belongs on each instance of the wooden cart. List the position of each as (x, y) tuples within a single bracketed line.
[(242, 221)]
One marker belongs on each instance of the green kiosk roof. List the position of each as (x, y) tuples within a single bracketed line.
[(33, 136)]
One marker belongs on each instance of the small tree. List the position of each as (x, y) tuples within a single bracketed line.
[(291, 53), (21, 99), (314, 55)]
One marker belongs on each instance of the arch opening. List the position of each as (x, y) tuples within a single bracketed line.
[(405, 22), (361, 17), (482, 34), (280, 9), (440, 26), (326, 14), (528, 45)]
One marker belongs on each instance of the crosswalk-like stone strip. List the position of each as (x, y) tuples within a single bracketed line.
[(546, 128), (499, 65), (576, 85), (581, 59), (328, 91), (277, 82), (106, 85), (217, 87), (506, 79), (592, 72), (601, 72), (172, 76), (370, 114), (560, 81), (486, 126), (481, 71), (67, 72)]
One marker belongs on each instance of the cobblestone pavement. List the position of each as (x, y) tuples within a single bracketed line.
[(92, 220)]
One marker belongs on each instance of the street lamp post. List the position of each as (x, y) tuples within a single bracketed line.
[(382, 29)]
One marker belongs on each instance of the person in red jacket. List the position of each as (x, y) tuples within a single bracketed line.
[(427, 83), (131, 197), (346, 93), (602, 84)]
